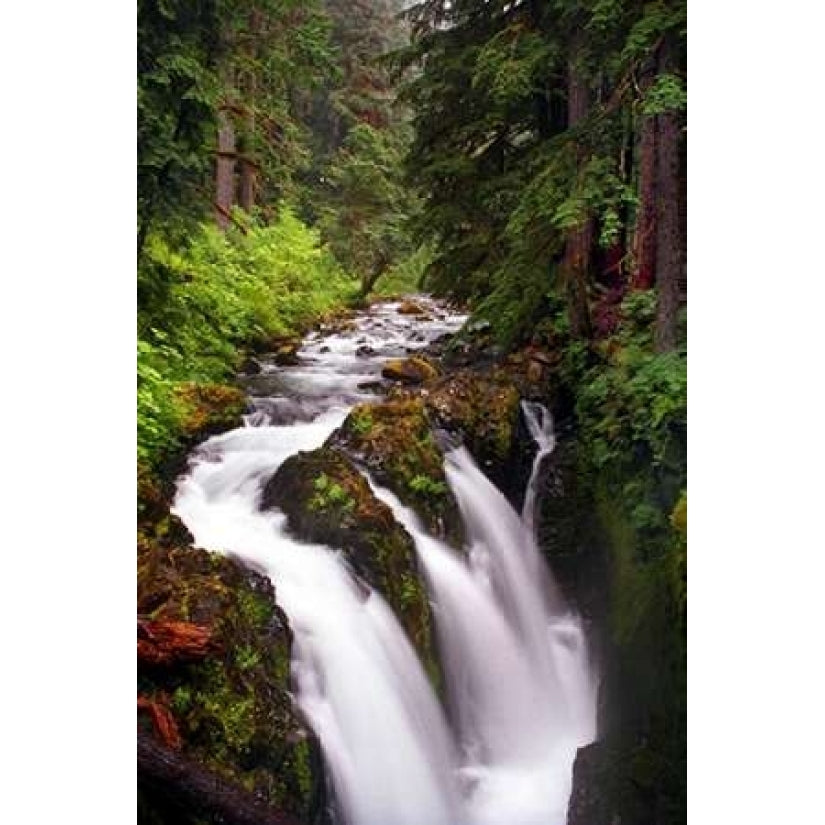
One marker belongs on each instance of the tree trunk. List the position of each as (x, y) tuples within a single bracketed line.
[(576, 260), (644, 243), (370, 278), (670, 253), (188, 786), (225, 169), (249, 170)]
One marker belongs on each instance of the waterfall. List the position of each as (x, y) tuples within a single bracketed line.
[(520, 696), (540, 423), (357, 679), (520, 688)]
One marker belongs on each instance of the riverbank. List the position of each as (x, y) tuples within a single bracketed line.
[(626, 580)]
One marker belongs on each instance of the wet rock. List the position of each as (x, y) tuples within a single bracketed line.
[(250, 366), (567, 530), (286, 355), (589, 799), (230, 706), (409, 307), (413, 370), (365, 351), (328, 501), (209, 409), (376, 387), (483, 410), (395, 442)]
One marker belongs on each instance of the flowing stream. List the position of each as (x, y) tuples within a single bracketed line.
[(520, 691)]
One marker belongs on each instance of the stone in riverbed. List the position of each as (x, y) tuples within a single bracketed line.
[(409, 307), (231, 708), (395, 442), (413, 370), (209, 409), (286, 355), (328, 501), (483, 410)]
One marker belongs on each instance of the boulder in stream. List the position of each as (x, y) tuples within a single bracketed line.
[(222, 699), (413, 370), (328, 501), (395, 442), (409, 307)]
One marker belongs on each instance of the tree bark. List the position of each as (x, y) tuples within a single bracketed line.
[(575, 264), (249, 169), (225, 168), (191, 788), (165, 643), (670, 252), (644, 242)]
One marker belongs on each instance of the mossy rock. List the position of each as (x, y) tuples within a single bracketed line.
[(409, 307), (413, 370), (209, 409), (483, 410), (232, 708), (328, 501), (395, 442)]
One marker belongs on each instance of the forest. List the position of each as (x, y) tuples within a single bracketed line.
[(411, 412)]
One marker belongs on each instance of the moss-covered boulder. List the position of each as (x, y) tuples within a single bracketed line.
[(483, 410), (413, 370), (231, 708), (408, 307), (328, 501), (394, 440), (208, 409)]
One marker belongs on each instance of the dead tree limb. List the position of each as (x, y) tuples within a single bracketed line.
[(190, 787)]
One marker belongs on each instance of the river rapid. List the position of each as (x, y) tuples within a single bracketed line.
[(519, 693)]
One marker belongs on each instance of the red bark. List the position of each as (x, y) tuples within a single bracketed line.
[(164, 643), (162, 721), (670, 242)]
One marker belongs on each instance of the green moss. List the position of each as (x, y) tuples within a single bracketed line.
[(327, 500), (399, 449), (362, 421), (233, 709), (247, 658), (330, 496), (424, 485), (302, 767)]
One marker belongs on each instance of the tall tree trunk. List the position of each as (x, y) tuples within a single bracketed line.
[(670, 252), (576, 260), (644, 243), (225, 168), (248, 167)]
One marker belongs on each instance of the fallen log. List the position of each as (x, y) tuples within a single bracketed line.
[(163, 643), (191, 788)]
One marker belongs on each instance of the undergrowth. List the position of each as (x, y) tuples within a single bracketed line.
[(202, 305)]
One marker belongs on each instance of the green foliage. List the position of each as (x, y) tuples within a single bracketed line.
[(330, 495), (366, 204), (177, 91), (426, 486), (666, 94), (222, 293), (247, 657), (255, 63), (361, 420)]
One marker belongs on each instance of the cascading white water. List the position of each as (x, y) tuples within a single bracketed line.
[(520, 686), (520, 692), (540, 424)]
